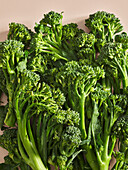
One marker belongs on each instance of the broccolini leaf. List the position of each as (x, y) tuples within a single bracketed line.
[(3, 112)]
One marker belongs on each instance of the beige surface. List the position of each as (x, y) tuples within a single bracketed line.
[(30, 11)]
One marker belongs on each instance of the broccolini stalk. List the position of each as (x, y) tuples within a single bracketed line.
[(11, 53), (77, 80), (106, 110), (35, 101), (64, 138), (114, 59), (120, 130), (35, 145)]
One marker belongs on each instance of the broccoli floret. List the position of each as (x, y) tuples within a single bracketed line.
[(61, 161), (12, 61), (69, 31), (20, 33), (104, 26), (8, 141), (52, 18), (51, 24), (67, 117), (75, 78), (11, 52), (39, 64), (84, 45), (122, 38), (10, 163), (114, 60), (71, 139), (58, 96), (120, 128), (48, 39)]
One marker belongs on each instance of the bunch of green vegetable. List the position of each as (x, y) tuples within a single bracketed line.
[(67, 94)]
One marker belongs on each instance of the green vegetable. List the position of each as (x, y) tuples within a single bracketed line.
[(20, 33), (8, 141), (11, 54), (104, 26), (67, 94), (114, 58)]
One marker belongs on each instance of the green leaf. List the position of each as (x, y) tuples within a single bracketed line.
[(3, 111), (73, 157)]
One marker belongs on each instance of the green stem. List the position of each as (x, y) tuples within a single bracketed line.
[(105, 157), (70, 97), (10, 116), (38, 132), (112, 146), (123, 72), (56, 54), (22, 152), (31, 135), (82, 116), (104, 166), (43, 148), (91, 158), (28, 145), (85, 90), (33, 158)]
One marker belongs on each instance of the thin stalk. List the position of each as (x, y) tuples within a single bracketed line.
[(105, 157), (30, 149), (123, 71), (82, 116), (21, 149), (43, 147), (33, 156), (76, 88), (55, 32), (56, 54), (117, 164), (95, 114), (38, 132), (112, 146), (53, 43), (52, 49), (70, 97), (31, 135), (84, 92)]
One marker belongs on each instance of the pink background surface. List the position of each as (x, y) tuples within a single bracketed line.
[(30, 11)]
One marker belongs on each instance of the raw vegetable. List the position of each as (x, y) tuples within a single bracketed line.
[(67, 94)]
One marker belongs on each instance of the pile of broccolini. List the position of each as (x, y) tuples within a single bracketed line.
[(67, 94)]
